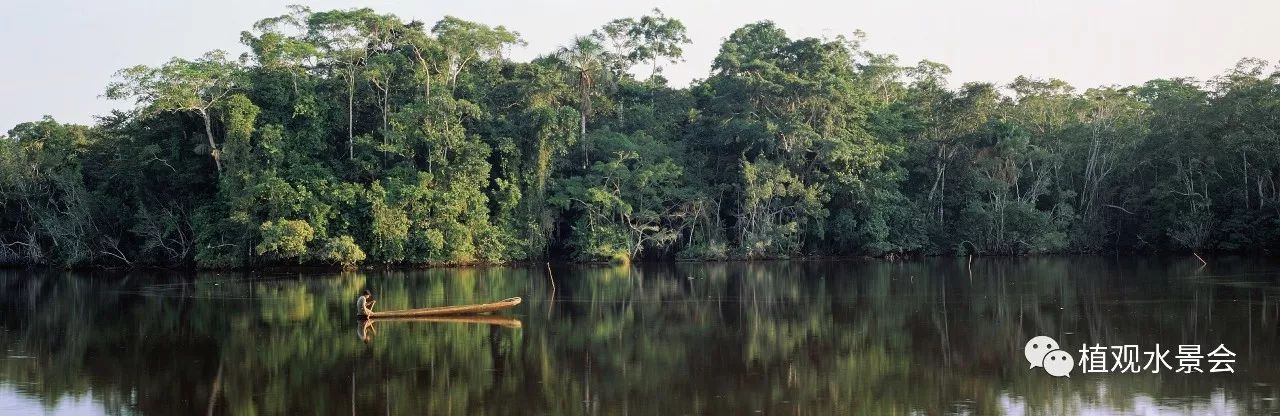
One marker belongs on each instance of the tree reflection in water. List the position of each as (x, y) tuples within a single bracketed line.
[(932, 336)]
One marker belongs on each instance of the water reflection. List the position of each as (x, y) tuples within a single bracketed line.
[(935, 336)]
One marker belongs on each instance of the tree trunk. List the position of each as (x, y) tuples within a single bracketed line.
[(213, 146), (426, 73), (351, 96), (585, 80), (385, 103), (1245, 158), (582, 137)]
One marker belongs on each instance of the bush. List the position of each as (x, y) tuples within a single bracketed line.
[(342, 251), (285, 238)]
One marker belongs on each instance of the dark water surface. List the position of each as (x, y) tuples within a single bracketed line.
[(861, 337)]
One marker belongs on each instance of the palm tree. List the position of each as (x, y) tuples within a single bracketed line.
[(588, 59)]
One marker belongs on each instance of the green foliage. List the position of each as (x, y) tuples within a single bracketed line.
[(632, 202), (285, 238), (183, 86), (651, 38), (347, 136), (342, 251)]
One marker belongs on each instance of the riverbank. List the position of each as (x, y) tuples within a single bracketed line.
[(893, 258)]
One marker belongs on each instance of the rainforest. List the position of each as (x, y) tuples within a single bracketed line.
[(352, 138)]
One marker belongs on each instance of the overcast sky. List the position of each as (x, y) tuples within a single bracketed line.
[(57, 55)]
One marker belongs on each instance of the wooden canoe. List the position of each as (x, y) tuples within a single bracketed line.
[(459, 319), (449, 310)]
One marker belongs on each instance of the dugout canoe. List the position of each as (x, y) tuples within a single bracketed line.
[(497, 320), (456, 310)]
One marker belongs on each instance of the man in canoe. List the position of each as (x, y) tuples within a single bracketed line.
[(364, 304)]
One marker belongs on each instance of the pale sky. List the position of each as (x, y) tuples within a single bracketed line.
[(56, 56)]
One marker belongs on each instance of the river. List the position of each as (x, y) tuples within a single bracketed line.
[(932, 336)]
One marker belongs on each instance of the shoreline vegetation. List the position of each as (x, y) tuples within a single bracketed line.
[(1188, 256), (351, 138)]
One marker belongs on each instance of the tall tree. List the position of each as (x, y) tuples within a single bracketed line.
[(346, 37), (651, 38), (588, 64), (464, 42), (278, 43), (183, 86)]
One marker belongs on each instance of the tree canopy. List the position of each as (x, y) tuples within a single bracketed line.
[(352, 137)]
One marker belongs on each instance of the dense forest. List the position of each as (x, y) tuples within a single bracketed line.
[(350, 137)]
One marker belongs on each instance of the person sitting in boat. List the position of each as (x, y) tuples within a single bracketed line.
[(364, 304)]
